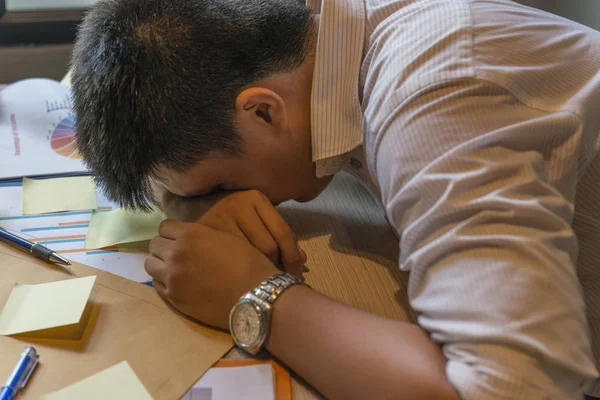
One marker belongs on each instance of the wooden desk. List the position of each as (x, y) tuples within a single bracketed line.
[(352, 255)]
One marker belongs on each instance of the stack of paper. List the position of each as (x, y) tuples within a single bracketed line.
[(70, 216), (41, 140)]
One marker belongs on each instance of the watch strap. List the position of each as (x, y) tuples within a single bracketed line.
[(272, 288)]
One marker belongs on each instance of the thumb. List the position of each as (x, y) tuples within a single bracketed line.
[(303, 255), (296, 268)]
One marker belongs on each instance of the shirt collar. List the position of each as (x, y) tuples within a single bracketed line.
[(336, 114)]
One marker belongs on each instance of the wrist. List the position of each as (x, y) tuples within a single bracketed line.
[(250, 318), (283, 312)]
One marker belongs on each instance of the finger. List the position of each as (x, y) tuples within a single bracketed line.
[(156, 268), (171, 228), (283, 235), (303, 255), (223, 224), (255, 231), (159, 247)]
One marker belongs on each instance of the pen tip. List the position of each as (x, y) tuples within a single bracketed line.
[(55, 258)]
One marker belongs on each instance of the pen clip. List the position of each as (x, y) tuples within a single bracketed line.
[(31, 368)]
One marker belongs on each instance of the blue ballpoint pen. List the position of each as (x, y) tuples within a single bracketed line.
[(35, 249), (20, 374)]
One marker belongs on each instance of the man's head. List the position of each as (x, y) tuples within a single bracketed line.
[(198, 95)]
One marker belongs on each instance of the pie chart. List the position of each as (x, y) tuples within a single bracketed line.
[(63, 138)]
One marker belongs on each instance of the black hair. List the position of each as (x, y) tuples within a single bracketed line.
[(155, 81)]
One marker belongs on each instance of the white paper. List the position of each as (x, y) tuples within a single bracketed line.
[(38, 130), (252, 382)]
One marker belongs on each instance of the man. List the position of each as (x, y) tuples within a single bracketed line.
[(476, 122)]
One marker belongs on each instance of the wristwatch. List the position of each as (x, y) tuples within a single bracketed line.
[(250, 318)]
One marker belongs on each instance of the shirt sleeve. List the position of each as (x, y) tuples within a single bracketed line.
[(480, 189)]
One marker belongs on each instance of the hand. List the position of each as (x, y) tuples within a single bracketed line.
[(203, 272), (247, 214), (250, 215)]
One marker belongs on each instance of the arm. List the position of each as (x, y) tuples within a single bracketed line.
[(483, 201), (345, 353), (350, 354)]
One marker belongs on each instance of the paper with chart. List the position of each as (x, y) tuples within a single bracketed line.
[(37, 130), (65, 233)]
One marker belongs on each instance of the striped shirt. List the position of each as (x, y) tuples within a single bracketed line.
[(477, 122)]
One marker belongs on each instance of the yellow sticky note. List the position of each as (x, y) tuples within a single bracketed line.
[(134, 247), (58, 194), (120, 226), (35, 307), (66, 80), (118, 382)]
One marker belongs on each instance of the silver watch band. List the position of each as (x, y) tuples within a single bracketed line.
[(270, 289)]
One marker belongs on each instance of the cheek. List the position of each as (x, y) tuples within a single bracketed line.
[(278, 190), (277, 181), (279, 172)]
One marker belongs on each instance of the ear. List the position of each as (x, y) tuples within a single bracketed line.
[(262, 108)]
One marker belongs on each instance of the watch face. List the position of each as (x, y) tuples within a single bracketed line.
[(246, 323)]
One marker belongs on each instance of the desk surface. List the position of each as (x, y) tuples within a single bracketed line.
[(352, 255)]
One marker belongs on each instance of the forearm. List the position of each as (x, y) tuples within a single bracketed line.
[(347, 353)]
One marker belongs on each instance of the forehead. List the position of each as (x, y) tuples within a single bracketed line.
[(192, 182)]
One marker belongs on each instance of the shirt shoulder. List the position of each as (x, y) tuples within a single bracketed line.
[(409, 46), (412, 45), (414, 49)]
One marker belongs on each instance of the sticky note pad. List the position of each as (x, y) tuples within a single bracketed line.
[(66, 80), (35, 307), (120, 226), (134, 247), (60, 194), (118, 382)]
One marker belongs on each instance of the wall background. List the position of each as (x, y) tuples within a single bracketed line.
[(585, 11), (23, 5), (548, 5)]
